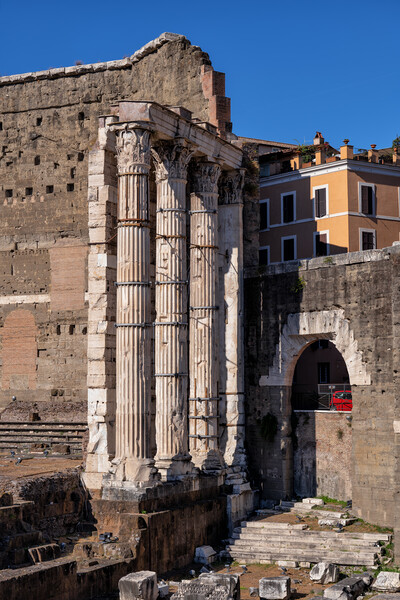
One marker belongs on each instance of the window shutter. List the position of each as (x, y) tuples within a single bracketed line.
[(288, 208), (288, 249), (370, 207), (367, 240), (263, 216), (320, 201), (321, 244), (366, 200)]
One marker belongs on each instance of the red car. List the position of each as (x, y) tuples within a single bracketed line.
[(341, 401)]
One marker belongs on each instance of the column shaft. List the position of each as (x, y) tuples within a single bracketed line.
[(204, 310), (133, 352), (171, 326)]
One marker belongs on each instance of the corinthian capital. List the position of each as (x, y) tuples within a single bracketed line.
[(231, 185), (204, 177), (133, 148), (171, 160)]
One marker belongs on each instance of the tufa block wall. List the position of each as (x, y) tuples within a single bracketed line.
[(365, 287)]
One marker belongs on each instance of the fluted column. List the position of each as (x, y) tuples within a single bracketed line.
[(133, 343), (230, 224), (171, 326), (203, 312)]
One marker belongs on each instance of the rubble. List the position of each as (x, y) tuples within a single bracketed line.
[(324, 573), (275, 588), (138, 586)]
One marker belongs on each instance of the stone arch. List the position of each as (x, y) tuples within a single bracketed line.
[(301, 330), (19, 351)]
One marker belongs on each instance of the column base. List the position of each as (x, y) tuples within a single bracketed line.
[(176, 468), (135, 472), (209, 462)]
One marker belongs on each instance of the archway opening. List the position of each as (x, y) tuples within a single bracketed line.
[(321, 423), (321, 379)]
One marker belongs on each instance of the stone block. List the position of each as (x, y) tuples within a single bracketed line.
[(163, 589), (388, 596), (141, 585), (347, 589), (324, 573), (387, 581), (204, 555), (200, 590), (313, 501), (231, 581), (274, 588)]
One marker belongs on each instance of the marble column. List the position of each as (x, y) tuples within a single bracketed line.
[(171, 327), (203, 312), (133, 344), (230, 224)]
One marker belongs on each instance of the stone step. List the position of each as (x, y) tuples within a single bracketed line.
[(266, 526), (80, 426), (21, 435), (295, 539), (25, 540), (270, 525), (345, 558), (300, 547), (39, 554)]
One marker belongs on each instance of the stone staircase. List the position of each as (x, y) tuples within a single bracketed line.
[(266, 542), (21, 544), (30, 436)]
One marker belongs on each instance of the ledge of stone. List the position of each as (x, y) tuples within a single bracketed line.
[(322, 262), (112, 65)]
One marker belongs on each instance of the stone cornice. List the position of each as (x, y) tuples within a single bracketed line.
[(169, 125)]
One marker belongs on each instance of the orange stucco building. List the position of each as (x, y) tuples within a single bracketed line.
[(334, 203)]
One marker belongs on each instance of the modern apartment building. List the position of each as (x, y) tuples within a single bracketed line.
[(317, 201)]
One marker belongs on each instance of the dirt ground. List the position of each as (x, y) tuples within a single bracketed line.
[(312, 522), (301, 585), (34, 465)]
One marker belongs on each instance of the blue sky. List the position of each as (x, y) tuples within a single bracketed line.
[(291, 67)]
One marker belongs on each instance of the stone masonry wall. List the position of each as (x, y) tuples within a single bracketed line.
[(48, 124), (322, 443), (365, 287)]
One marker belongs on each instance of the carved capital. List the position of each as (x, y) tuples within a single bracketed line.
[(231, 185), (204, 177), (171, 160), (133, 149)]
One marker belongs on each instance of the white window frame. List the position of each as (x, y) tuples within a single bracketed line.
[(371, 185), (269, 254), (328, 249), (266, 201), (294, 207), (398, 198), (289, 237), (321, 187), (362, 230)]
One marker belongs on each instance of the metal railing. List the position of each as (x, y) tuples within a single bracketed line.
[(305, 399)]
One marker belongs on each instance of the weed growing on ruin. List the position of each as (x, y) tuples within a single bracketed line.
[(329, 500), (299, 285), (328, 260), (339, 434)]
